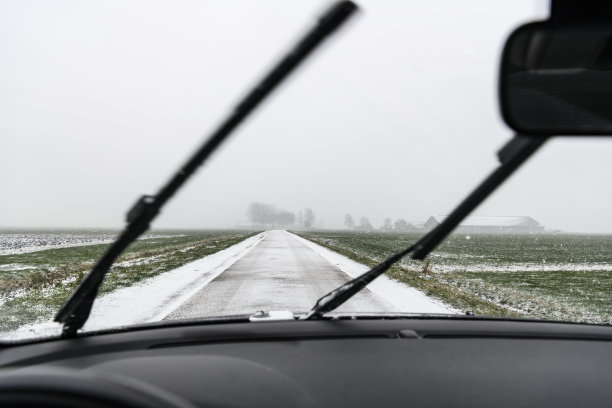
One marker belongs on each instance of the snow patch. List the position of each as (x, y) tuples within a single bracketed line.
[(138, 261), (402, 296), (13, 244), (522, 267), (152, 299), (15, 267)]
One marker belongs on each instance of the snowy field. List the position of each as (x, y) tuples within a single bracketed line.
[(155, 298), (544, 276), (34, 284), (404, 297), (150, 300), (550, 277), (31, 241)]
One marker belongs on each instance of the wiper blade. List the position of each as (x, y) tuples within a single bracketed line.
[(74, 313), (511, 156)]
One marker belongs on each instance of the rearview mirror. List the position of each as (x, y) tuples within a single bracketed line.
[(556, 79)]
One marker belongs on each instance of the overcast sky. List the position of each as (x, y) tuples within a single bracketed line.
[(100, 101)]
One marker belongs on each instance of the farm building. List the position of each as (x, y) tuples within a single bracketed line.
[(498, 224)]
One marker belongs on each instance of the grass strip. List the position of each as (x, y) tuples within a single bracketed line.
[(30, 296), (423, 280)]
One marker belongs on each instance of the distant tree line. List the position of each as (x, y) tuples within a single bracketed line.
[(305, 218), (388, 225), (264, 215)]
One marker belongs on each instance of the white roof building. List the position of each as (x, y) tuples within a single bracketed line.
[(490, 223)]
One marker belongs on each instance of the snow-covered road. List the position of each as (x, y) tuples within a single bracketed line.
[(274, 270), (286, 272)]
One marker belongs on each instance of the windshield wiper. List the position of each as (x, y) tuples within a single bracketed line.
[(511, 156), (74, 313)]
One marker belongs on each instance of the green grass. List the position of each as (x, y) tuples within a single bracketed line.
[(557, 295), (544, 276), (35, 294)]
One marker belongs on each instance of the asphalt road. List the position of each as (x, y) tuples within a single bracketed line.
[(280, 273)]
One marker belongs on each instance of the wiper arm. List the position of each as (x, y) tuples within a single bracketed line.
[(511, 156), (74, 313)]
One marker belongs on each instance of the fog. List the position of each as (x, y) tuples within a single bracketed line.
[(397, 116)]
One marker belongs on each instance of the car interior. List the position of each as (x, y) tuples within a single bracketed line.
[(549, 86)]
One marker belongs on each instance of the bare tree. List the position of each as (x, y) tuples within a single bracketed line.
[(349, 222), (285, 218), (387, 224), (267, 215), (309, 218), (259, 213), (401, 225), (364, 224), (300, 218)]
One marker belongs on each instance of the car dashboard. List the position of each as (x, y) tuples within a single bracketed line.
[(434, 362)]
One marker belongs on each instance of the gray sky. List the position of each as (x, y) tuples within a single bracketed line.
[(101, 101)]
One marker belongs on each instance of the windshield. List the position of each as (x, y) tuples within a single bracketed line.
[(367, 147)]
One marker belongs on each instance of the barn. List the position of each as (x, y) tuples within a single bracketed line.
[(492, 224)]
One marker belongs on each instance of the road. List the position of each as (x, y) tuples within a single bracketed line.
[(280, 273)]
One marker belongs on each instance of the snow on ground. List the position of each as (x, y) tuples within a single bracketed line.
[(402, 296), (156, 297), (152, 299), (524, 267), (22, 243), (16, 267), (140, 261)]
